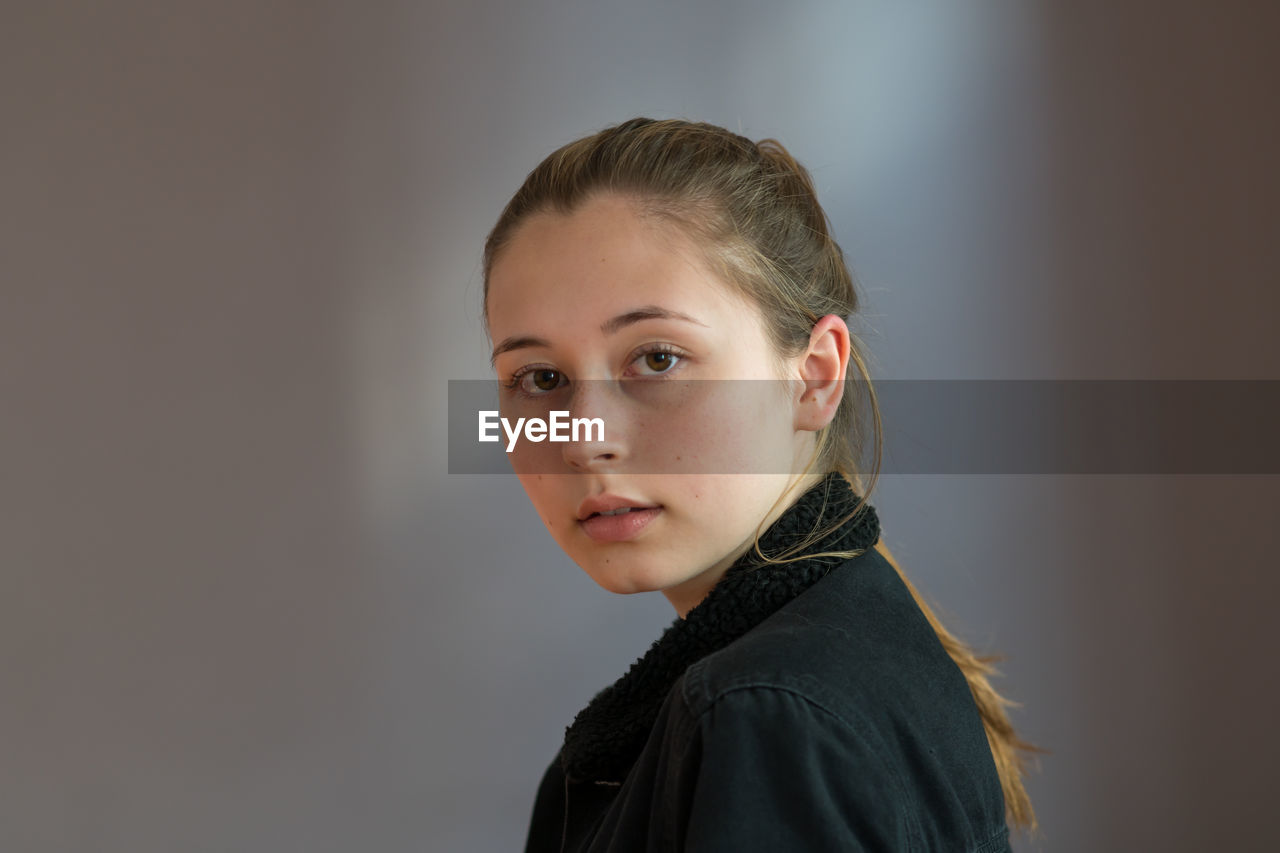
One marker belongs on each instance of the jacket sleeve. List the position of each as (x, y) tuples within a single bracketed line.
[(776, 771)]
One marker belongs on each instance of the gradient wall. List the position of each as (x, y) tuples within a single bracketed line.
[(243, 606)]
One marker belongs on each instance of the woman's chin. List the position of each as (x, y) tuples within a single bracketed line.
[(623, 579)]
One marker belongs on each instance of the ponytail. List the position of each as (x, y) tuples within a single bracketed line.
[(1009, 751)]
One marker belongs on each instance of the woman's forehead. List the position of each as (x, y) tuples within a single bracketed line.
[(597, 261)]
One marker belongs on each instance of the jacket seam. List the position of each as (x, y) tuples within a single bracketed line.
[(913, 829), (997, 841), (670, 798)]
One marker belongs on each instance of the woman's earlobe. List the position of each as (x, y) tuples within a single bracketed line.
[(819, 398), (818, 407)]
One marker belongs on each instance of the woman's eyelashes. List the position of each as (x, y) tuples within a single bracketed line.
[(536, 380), (657, 360)]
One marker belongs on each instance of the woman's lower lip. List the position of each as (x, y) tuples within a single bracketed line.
[(619, 528)]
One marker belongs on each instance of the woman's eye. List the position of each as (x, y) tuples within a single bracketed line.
[(541, 381), (658, 362)]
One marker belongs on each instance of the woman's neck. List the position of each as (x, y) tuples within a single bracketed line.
[(688, 595)]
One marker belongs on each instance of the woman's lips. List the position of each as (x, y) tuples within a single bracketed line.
[(620, 527)]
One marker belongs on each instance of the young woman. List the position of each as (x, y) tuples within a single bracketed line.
[(806, 698)]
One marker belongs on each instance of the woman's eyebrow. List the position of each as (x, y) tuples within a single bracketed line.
[(609, 327), (517, 343), (648, 312)]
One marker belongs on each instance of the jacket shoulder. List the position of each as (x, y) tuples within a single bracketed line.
[(856, 637), (857, 648)]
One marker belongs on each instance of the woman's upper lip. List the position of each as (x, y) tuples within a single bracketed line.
[(607, 502)]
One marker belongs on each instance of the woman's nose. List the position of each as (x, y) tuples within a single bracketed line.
[(601, 442)]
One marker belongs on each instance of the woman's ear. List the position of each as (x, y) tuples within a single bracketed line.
[(822, 368)]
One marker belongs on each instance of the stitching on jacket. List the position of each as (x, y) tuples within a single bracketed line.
[(680, 728), (913, 828), (997, 842)]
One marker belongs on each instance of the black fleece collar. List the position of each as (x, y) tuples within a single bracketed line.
[(607, 736)]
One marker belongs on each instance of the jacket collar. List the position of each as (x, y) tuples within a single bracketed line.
[(607, 736)]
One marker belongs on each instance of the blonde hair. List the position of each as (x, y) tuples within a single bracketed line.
[(754, 211)]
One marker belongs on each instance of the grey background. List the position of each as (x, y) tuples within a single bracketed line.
[(244, 607)]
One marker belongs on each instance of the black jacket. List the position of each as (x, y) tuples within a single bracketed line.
[(806, 706)]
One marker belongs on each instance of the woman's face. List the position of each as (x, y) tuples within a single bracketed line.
[(605, 314)]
